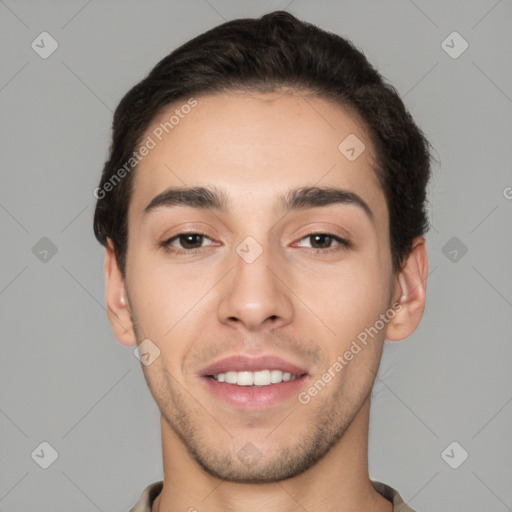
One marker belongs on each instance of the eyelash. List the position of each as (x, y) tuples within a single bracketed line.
[(344, 244)]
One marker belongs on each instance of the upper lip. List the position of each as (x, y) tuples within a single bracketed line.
[(241, 363)]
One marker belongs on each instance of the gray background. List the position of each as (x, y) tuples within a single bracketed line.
[(67, 381)]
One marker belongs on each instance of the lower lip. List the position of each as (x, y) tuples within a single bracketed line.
[(254, 397)]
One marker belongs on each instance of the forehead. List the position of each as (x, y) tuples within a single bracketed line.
[(257, 147)]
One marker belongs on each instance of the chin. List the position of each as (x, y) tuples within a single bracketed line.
[(251, 464)]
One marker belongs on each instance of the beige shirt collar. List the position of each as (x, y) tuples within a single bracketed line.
[(153, 490)]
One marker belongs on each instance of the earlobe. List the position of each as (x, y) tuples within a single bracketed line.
[(410, 293), (117, 308)]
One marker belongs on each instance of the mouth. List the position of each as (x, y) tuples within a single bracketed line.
[(253, 383)]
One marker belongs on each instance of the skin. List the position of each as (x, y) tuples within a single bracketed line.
[(304, 306)]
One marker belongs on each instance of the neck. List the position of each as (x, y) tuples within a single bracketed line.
[(337, 482)]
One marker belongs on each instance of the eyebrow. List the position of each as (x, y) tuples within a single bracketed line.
[(296, 199)]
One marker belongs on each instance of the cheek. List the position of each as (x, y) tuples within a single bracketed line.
[(167, 300), (348, 300), (351, 309)]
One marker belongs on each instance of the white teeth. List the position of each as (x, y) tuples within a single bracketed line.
[(230, 377), (260, 378), (245, 378), (276, 376)]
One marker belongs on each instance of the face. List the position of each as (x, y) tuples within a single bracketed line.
[(251, 300)]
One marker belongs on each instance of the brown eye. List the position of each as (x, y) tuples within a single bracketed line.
[(325, 241), (191, 240), (186, 242), (321, 241)]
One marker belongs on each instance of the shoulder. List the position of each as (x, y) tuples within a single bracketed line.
[(147, 497), (392, 495)]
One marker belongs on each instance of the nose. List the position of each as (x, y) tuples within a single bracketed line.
[(255, 295)]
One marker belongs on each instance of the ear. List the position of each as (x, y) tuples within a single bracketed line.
[(409, 293), (117, 302)]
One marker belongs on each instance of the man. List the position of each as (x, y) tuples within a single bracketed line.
[(262, 210)]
